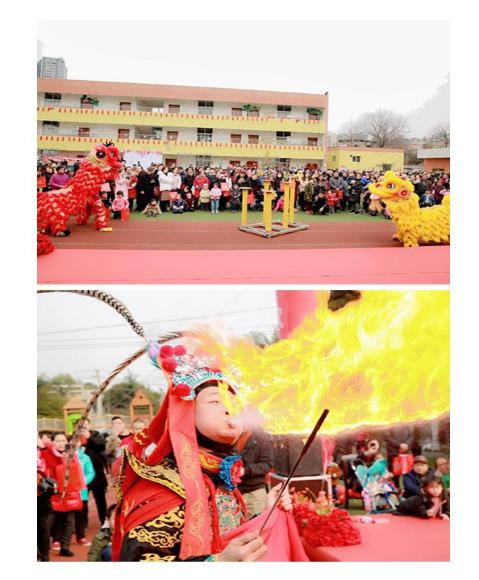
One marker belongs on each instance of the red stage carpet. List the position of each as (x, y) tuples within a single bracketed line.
[(396, 539), (423, 265)]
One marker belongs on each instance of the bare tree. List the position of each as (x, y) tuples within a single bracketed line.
[(441, 133), (351, 132), (383, 127)]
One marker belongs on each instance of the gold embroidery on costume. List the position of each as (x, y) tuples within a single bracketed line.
[(121, 478), (165, 531), (163, 473), (199, 509), (149, 557)]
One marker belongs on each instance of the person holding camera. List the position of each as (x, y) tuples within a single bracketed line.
[(68, 499)]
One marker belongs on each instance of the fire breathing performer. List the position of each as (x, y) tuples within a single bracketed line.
[(177, 484)]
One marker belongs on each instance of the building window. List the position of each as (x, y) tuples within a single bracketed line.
[(334, 158), (283, 136), (125, 106), (235, 163), (172, 136), (84, 131), (205, 107), (204, 135), (236, 112), (312, 141), (252, 113), (355, 158), (284, 110), (203, 160), (157, 132), (53, 96), (282, 162), (50, 127), (123, 133), (253, 139), (235, 138), (388, 167), (174, 109)]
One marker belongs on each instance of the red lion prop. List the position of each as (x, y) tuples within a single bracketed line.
[(79, 198)]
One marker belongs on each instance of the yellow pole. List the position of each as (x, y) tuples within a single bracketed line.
[(286, 204), (244, 206), (267, 210), (267, 213), (291, 200)]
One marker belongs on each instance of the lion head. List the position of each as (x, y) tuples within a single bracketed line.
[(392, 188)]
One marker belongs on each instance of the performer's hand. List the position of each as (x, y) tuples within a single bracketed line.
[(285, 503), (246, 548), (444, 517)]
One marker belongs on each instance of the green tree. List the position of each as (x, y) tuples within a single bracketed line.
[(119, 396)]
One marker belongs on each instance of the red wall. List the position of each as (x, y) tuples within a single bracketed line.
[(437, 163)]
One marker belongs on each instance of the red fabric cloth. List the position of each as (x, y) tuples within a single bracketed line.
[(396, 539), (280, 535)]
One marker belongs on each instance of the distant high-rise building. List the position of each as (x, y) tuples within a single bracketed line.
[(51, 68)]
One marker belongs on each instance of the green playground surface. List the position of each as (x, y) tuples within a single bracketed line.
[(229, 216)]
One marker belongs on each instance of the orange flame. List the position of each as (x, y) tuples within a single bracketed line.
[(378, 361)]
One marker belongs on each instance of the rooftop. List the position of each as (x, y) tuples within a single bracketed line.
[(150, 91), (433, 153)]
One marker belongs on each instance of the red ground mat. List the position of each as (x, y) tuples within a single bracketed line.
[(207, 235), (357, 266), (394, 539)]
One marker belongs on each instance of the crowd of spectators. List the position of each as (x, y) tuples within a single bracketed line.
[(160, 188)]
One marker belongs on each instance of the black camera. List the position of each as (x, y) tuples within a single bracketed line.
[(48, 486)]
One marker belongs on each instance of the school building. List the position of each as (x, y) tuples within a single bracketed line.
[(183, 125), (365, 158)]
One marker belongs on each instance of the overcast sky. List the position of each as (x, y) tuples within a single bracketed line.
[(364, 65), (79, 335)]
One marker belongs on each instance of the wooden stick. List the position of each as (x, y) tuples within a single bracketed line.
[(307, 445)]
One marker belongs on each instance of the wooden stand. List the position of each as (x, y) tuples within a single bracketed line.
[(269, 228)]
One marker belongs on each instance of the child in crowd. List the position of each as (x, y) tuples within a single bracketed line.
[(205, 197), (119, 204), (426, 199), (100, 550), (402, 463), (41, 180), (189, 201), (215, 195), (152, 209), (332, 200), (432, 501), (235, 199), (105, 199), (178, 205)]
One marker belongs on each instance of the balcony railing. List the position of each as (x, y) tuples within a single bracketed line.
[(208, 112), (203, 139)]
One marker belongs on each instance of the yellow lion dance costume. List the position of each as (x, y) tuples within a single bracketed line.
[(414, 224)]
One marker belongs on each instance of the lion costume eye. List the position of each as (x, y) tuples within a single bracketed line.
[(100, 152), (391, 186)]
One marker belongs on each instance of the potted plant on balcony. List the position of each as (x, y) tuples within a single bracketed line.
[(314, 112), (251, 110), (88, 102)]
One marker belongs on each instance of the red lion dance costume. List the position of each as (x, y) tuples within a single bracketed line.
[(79, 198)]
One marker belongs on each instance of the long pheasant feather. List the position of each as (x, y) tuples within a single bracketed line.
[(113, 302)]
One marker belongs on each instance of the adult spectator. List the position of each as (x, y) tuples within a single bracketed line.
[(258, 459), (137, 426), (60, 179), (81, 516), (68, 499), (442, 471), (45, 489), (119, 437), (414, 479), (94, 445)]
